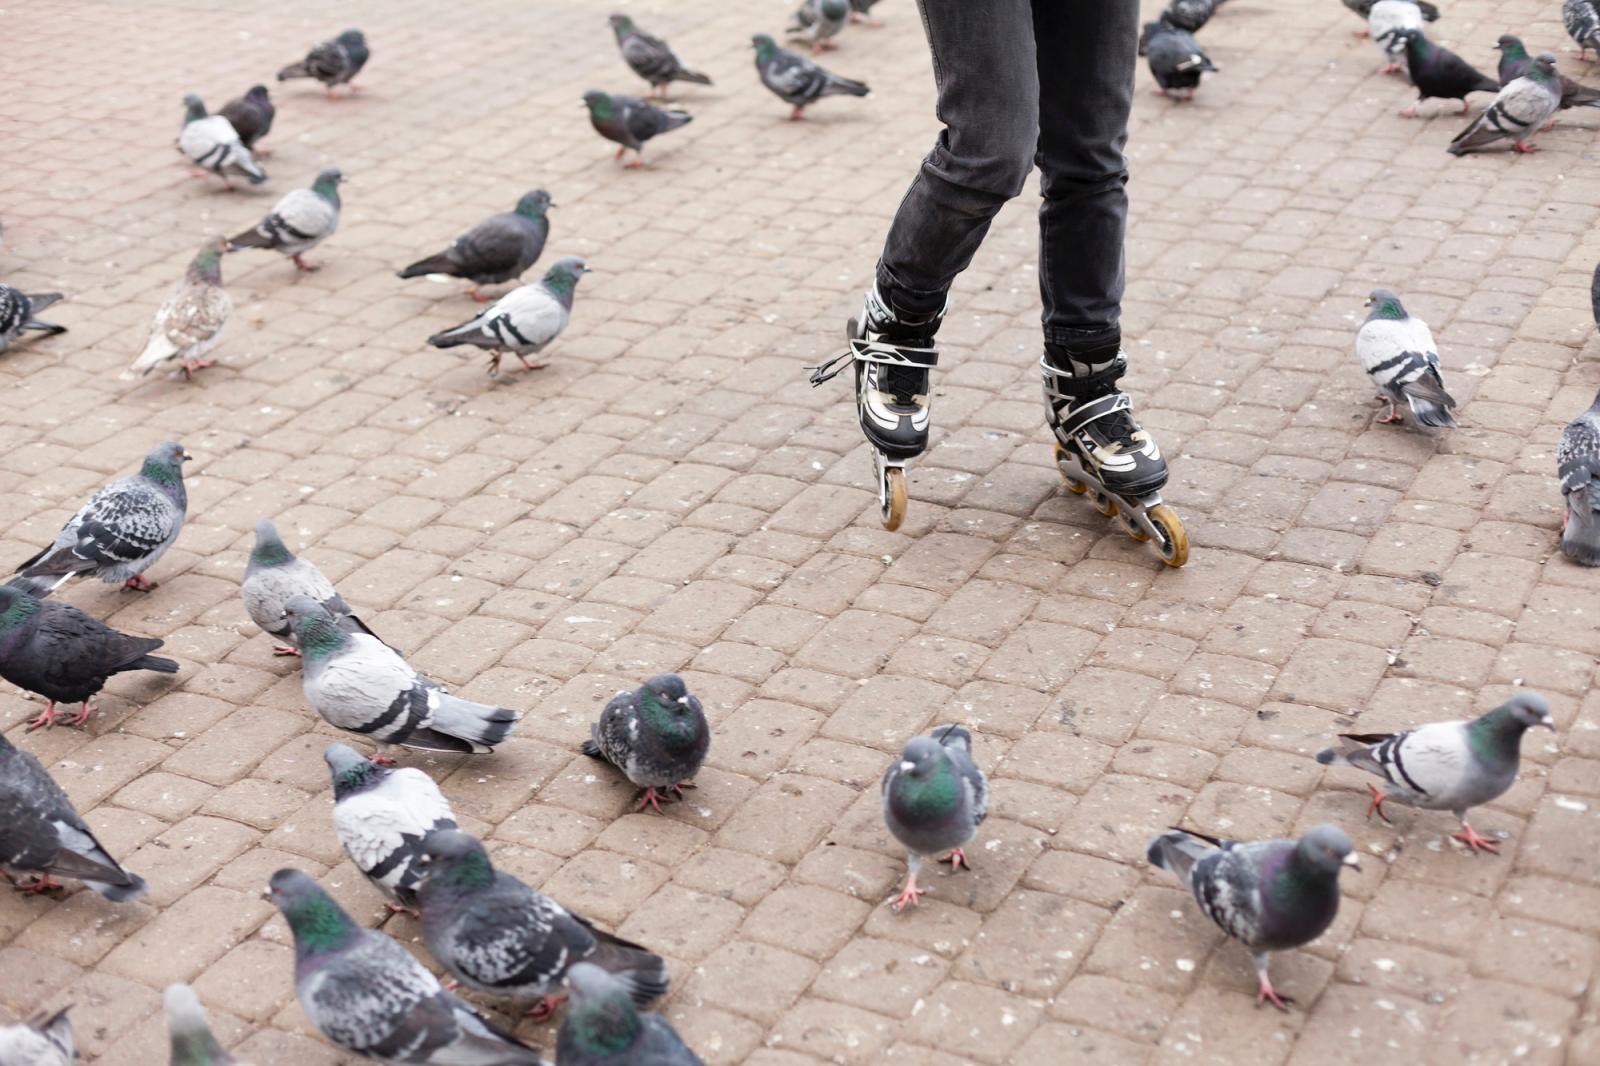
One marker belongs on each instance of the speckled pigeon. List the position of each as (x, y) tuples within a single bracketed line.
[(299, 222), (934, 799), (359, 683), (1397, 351), (381, 817), (212, 144), (193, 1042), (604, 1028), (1363, 8), (43, 1040), (274, 575), (1176, 59), (190, 322), (65, 655), (1190, 14), (524, 321), (1269, 895), (1388, 22), (367, 994), (333, 62), (657, 735), (629, 121), (17, 311), (497, 935), (1582, 19), (1578, 463), (497, 249), (817, 22), (1446, 766), (1515, 62), (796, 80), (251, 117), (121, 532), (1521, 107), (1440, 74), (651, 58)]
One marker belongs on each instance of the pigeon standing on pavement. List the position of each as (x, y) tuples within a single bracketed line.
[(1582, 19), (497, 249), (1388, 22), (1578, 463), (369, 995), (657, 735), (121, 532), (251, 117), (17, 311), (299, 222), (1515, 62), (381, 816), (43, 1040), (1189, 15), (1446, 766), (629, 121), (604, 1028), (332, 62), (818, 22), (1270, 895), (357, 682), (193, 1042), (934, 799), (1521, 107), (212, 144), (796, 80), (1440, 74), (275, 575), (524, 321), (651, 58), (191, 321), (1175, 58), (1398, 354), (1364, 9), (497, 935)]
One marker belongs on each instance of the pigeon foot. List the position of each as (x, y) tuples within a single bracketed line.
[(1392, 417), (652, 799), (83, 713), (680, 786), (908, 895), (1474, 842), (545, 1007), (531, 366), (957, 859), (1378, 796), (1265, 993), (139, 583), (381, 760), (395, 908), (189, 369), (46, 718), (478, 296), (42, 883), (309, 268), (285, 649)]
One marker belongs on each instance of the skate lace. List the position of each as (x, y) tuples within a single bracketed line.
[(904, 383)]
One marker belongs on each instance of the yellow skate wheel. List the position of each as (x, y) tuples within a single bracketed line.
[(1173, 544), (893, 508), (1073, 485), (1131, 527), (1105, 504)]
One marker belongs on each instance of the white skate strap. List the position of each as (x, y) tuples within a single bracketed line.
[(1108, 404)]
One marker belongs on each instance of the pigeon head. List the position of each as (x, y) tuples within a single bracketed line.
[(622, 25), (164, 465), (1529, 709), (327, 184), (315, 629), (765, 47), (1326, 849), (454, 862), (534, 204), (1544, 64), (16, 606), (207, 265), (193, 107), (1511, 47), (562, 277), (257, 94), (318, 923), (670, 711), (1385, 304), (924, 784), (351, 770), (921, 757), (349, 37), (602, 1020), (192, 1041), (270, 549), (599, 104)]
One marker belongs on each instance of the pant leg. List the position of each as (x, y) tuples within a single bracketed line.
[(1086, 57), (985, 70)]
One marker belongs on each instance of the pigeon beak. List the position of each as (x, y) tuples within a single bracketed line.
[(1548, 722), (185, 456), (683, 700), (1352, 860), (907, 767)]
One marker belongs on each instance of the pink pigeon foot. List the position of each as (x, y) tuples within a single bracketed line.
[(83, 713), (382, 760), (1392, 417), (1524, 149), (652, 799), (1378, 796), (1474, 842), (545, 1007), (46, 718), (285, 649), (478, 296), (798, 113), (1409, 112), (1265, 993), (189, 369), (909, 894), (957, 859), (680, 786), (139, 583), (309, 268), (42, 883)]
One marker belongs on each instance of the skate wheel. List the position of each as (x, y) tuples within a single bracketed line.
[(1133, 528), (893, 508), (1073, 484), (1105, 504), (1173, 542)]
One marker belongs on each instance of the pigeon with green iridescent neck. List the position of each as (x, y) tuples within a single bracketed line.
[(275, 575), (629, 121), (1446, 766), (524, 321), (1515, 62), (43, 1040), (934, 799), (1397, 351), (191, 321), (1440, 74), (193, 1042), (251, 117), (299, 222), (603, 1027), (1582, 19), (1578, 464), (1270, 895), (17, 311), (1189, 15), (497, 249), (817, 22), (333, 62), (212, 144), (1522, 106), (370, 996), (382, 816), (657, 735), (651, 58), (795, 79)]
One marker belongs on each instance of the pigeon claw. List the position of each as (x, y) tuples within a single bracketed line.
[(531, 366), (395, 908), (1378, 796), (494, 364), (42, 883), (139, 583), (83, 713), (677, 789), (46, 718), (1265, 993), (189, 368), (908, 896), (1474, 842), (546, 1006), (309, 268), (652, 799), (381, 760), (285, 649), (1525, 149), (1392, 417), (798, 113), (478, 296), (957, 859)]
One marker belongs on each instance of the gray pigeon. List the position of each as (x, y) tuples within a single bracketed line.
[(604, 1028), (1176, 59), (1269, 895), (629, 121), (1594, 294), (1582, 19), (274, 575), (299, 222), (212, 144), (333, 62), (121, 532), (369, 995), (1520, 108), (1364, 9), (193, 1043), (251, 117), (1515, 62), (1578, 463), (359, 683), (817, 22), (656, 735), (1398, 354), (497, 935), (190, 322), (934, 799), (497, 249), (17, 311), (43, 1040), (65, 655), (651, 58), (1446, 766), (796, 80), (1440, 74), (861, 11), (1190, 15), (1388, 22), (524, 321), (41, 832), (381, 817)]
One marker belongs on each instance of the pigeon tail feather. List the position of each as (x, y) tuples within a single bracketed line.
[(434, 264), (154, 662), (1177, 851), (136, 888), (38, 301), (474, 722), (643, 974)]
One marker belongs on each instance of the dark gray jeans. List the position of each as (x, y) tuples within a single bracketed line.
[(1023, 82)]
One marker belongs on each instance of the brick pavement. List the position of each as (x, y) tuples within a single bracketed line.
[(671, 494)]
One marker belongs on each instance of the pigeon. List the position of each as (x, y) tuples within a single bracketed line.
[(934, 799), (1521, 107), (251, 117), (41, 832), (369, 995), (1189, 15), (274, 575), (381, 816), (17, 310), (190, 323), (656, 735), (630, 121), (1440, 74), (212, 144), (64, 654), (651, 58), (43, 1040), (121, 532), (1578, 463), (1446, 766), (524, 321), (1582, 19), (1515, 62), (497, 249), (357, 682), (298, 222), (497, 935), (332, 62), (604, 1028), (1269, 895), (1175, 58), (1364, 9), (193, 1043), (817, 22), (796, 80), (1594, 294), (1398, 354), (1388, 21), (861, 11)]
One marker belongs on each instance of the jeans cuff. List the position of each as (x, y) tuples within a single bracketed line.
[(1078, 340), (905, 298)]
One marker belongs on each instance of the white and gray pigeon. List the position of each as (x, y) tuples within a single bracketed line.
[(370, 996), (381, 816), (651, 58), (1582, 19), (333, 62), (299, 222), (795, 79), (497, 249), (817, 22), (190, 322), (1396, 350), (212, 144), (1270, 895), (275, 575), (524, 321), (1363, 8), (124, 529), (498, 935), (193, 1042), (17, 313), (357, 682), (1578, 464), (934, 799), (604, 1028), (1389, 21), (1446, 766), (657, 735), (43, 1040), (1522, 106)]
